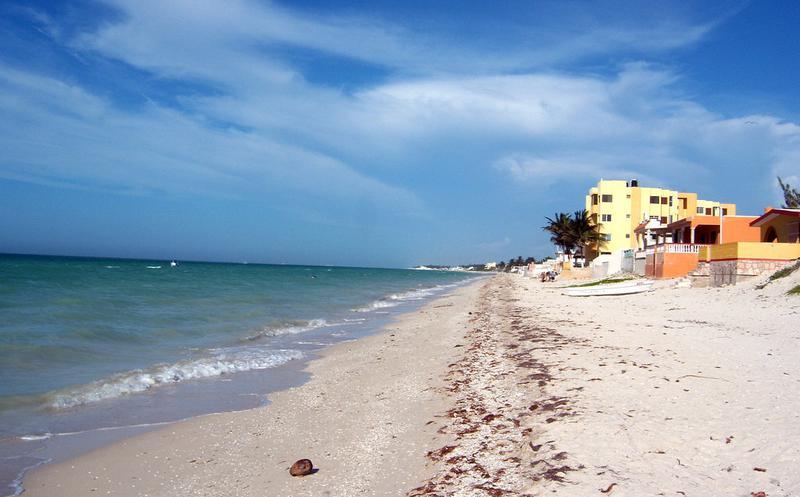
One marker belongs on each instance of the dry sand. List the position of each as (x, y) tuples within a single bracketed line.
[(509, 388)]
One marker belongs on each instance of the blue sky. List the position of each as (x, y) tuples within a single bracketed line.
[(375, 132)]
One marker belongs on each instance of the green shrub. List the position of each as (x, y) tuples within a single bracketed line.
[(782, 273)]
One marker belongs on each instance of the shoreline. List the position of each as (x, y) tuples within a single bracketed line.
[(506, 387), (272, 421)]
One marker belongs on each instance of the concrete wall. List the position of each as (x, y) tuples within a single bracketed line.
[(750, 250), (731, 272), (738, 229), (669, 265)]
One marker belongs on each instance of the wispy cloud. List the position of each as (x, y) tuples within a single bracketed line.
[(259, 127)]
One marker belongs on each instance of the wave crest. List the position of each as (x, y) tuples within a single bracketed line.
[(223, 362)]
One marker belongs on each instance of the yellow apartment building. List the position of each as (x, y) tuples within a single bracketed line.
[(619, 206)]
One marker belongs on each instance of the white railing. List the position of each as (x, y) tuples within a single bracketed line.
[(678, 248)]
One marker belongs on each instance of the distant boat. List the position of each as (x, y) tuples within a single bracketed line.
[(626, 288), (173, 264)]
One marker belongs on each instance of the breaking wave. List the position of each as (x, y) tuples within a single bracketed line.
[(222, 361), (396, 299), (287, 328)]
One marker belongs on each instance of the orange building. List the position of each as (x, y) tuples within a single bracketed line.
[(779, 225), (674, 260)]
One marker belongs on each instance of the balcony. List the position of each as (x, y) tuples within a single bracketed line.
[(678, 248)]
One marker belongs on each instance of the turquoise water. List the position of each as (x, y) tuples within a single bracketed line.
[(79, 331)]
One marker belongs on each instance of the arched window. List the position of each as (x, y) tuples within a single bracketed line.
[(771, 235)]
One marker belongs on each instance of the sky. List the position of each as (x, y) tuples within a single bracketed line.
[(377, 133)]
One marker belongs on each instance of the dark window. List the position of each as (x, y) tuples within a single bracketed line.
[(708, 211), (724, 211), (594, 199), (670, 201), (683, 202), (663, 219), (664, 200), (606, 218), (699, 210), (627, 235), (607, 198), (654, 199)]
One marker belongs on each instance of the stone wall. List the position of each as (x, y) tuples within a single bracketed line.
[(731, 272)]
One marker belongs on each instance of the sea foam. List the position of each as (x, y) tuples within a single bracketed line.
[(223, 361)]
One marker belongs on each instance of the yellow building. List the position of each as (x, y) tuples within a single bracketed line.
[(619, 206)]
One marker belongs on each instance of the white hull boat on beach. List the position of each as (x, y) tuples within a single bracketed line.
[(625, 288)]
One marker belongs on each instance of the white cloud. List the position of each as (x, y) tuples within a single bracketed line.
[(504, 109), (54, 132)]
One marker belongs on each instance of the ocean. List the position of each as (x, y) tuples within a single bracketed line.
[(93, 346)]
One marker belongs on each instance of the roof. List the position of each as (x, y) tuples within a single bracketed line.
[(694, 221), (773, 214)]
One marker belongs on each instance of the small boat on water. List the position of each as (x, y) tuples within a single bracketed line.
[(626, 288)]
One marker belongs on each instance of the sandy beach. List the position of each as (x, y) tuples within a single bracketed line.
[(505, 387)]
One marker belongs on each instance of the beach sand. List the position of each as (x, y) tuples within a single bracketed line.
[(506, 387)]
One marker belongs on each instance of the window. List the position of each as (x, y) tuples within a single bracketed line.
[(627, 216), (606, 236), (663, 219), (627, 235), (724, 211), (607, 198), (670, 218), (670, 201), (628, 196), (654, 199), (594, 199), (708, 211), (606, 218), (653, 217), (664, 200), (699, 210), (683, 202)]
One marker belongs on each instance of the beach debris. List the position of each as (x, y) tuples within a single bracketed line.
[(761, 470), (760, 493), (608, 488), (301, 467)]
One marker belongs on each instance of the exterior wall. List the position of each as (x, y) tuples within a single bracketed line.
[(669, 265), (691, 205), (631, 205), (750, 250), (639, 266), (738, 229), (730, 272), (650, 266), (785, 227)]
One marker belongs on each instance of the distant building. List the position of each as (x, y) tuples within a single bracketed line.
[(490, 265), (619, 207)]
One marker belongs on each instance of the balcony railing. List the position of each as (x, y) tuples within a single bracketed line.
[(670, 248), (678, 248)]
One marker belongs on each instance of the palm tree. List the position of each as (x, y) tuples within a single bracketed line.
[(561, 231), (791, 197), (585, 231), (571, 232)]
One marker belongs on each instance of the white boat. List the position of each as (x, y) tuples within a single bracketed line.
[(625, 288), (173, 264)]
